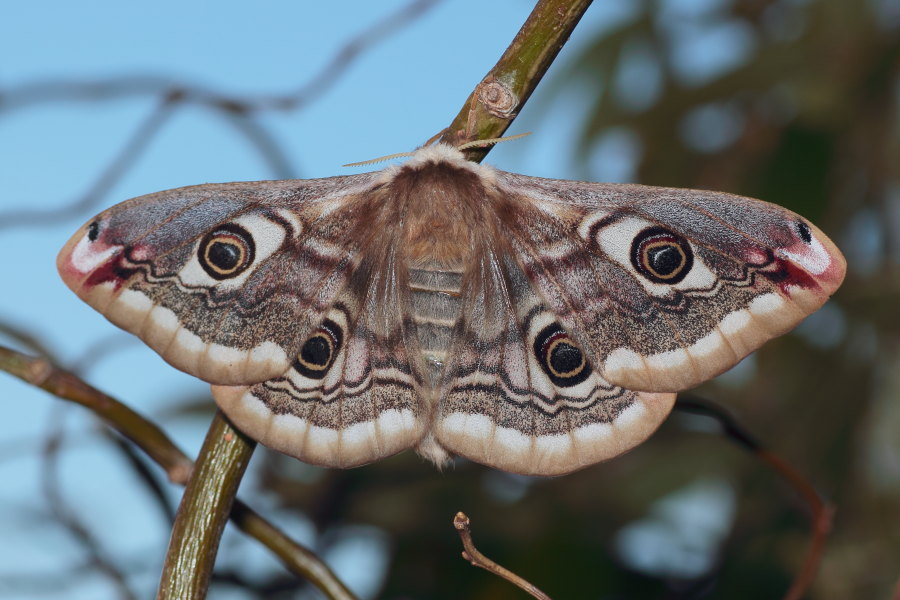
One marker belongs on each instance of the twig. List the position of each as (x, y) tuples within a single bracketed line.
[(350, 51), (153, 441), (40, 372), (68, 518), (32, 342), (821, 511), (99, 350), (126, 157), (238, 111), (497, 100), (204, 509), (145, 474), (462, 524), (163, 86)]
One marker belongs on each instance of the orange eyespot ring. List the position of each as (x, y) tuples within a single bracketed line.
[(319, 351), (661, 256), (226, 252), (560, 357)]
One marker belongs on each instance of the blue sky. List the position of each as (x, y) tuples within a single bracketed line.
[(394, 97), (398, 94)]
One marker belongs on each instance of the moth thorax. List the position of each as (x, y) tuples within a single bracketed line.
[(443, 205)]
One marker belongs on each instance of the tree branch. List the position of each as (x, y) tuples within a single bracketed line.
[(497, 100), (204, 509), (157, 445)]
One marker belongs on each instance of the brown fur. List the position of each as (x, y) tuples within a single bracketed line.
[(443, 205)]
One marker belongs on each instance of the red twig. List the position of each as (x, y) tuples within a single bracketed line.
[(821, 512)]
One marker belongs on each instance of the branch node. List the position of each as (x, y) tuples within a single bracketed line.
[(39, 371), (498, 98)]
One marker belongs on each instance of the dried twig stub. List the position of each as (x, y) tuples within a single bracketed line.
[(462, 524)]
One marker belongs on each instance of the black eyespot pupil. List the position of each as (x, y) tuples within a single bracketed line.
[(223, 255), (661, 256), (665, 260), (565, 358), (319, 351), (805, 233), (93, 231), (226, 252), (316, 351), (560, 359)]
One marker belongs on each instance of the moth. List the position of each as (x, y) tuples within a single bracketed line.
[(533, 325)]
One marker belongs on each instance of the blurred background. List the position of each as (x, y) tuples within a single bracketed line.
[(791, 101)]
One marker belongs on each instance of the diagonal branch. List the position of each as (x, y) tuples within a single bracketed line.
[(241, 112), (498, 99), (157, 445), (134, 147)]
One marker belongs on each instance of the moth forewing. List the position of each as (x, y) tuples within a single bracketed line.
[(533, 325)]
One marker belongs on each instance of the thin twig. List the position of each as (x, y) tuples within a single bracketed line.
[(498, 99), (67, 517), (99, 350), (473, 555), (157, 445), (821, 512), (171, 95), (145, 474), (350, 51), (134, 147), (32, 342), (127, 86), (42, 373)]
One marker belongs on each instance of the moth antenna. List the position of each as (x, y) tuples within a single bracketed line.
[(378, 160), (490, 141), (465, 146), (476, 143)]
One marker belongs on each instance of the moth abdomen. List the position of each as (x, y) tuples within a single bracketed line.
[(437, 303)]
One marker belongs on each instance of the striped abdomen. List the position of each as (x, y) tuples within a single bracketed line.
[(436, 307)]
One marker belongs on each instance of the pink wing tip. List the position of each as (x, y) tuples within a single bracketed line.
[(812, 262), (88, 260)]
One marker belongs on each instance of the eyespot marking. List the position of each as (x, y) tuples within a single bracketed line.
[(319, 351), (560, 357), (661, 255), (226, 252)]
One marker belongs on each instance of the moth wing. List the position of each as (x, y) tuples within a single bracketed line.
[(355, 392), (519, 395), (666, 288), (225, 281)]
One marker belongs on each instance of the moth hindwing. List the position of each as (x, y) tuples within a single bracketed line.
[(533, 325)]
